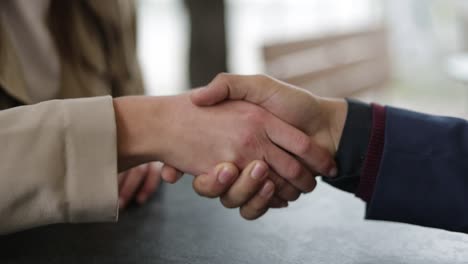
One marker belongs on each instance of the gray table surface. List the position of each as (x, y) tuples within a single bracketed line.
[(177, 226)]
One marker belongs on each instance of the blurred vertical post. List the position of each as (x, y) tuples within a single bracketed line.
[(463, 27), (207, 40)]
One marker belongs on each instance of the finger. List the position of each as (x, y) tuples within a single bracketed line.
[(247, 185), (217, 182), (258, 205), (170, 174), (254, 89), (277, 202), (319, 159), (151, 182), (289, 168), (121, 178), (298, 143), (131, 183), (283, 189)]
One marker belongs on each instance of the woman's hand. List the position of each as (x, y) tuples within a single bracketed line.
[(139, 183)]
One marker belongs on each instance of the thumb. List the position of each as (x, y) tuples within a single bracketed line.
[(254, 89), (211, 94)]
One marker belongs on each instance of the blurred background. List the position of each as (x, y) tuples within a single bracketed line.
[(406, 53)]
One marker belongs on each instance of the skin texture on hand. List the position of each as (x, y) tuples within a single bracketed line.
[(321, 118), (194, 139), (254, 195), (180, 123), (199, 138)]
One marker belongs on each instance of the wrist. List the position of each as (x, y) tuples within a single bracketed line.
[(335, 112), (137, 124)]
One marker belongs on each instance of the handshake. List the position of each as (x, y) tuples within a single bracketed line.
[(255, 142)]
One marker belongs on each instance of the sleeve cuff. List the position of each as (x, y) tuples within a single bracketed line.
[(353, 146), (371, 166), (91, 185)]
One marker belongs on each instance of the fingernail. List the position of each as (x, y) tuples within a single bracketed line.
[(225, 175), (333, 172), (267, 190), (258, 172)]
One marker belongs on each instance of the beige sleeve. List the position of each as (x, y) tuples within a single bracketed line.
[(58, 163)]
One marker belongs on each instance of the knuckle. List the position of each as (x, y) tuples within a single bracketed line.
[(294, 170), (253, 129), (249, 139), (304, 145), (255, 118), (284, 189), (202, 191), (221, 77), (262, 78), (279, 182)]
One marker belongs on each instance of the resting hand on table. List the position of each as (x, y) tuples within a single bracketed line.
[(141, 182), (320, 118), (138, 183)]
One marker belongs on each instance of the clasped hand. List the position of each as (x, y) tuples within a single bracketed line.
[(253, 141)]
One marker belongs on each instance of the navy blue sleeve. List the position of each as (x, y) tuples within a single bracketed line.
[(423, 173), (352, 149)]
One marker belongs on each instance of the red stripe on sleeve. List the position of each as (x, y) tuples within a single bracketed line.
[(371, 165)]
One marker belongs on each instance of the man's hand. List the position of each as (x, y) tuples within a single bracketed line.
[(322, 119), (252, 191)]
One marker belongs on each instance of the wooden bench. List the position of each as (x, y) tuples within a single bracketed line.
[(332, 65)]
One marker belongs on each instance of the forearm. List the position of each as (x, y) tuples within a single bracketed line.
[(352, 149), (58, 163), (409, 167), (421, 178), (60, 159), (137, 123)]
